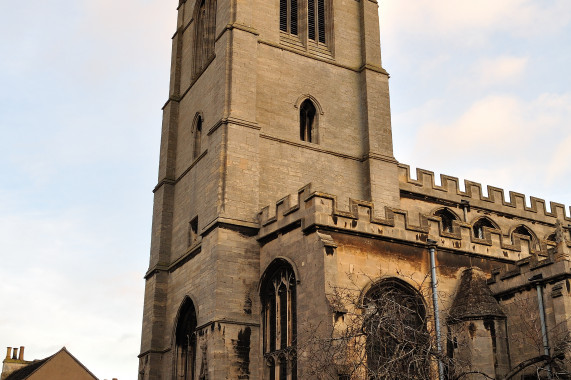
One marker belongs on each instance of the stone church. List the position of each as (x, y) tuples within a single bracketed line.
[(278, 189)]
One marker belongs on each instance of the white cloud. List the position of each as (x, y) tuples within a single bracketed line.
[(502, 141), (470, 20), (500, 70)]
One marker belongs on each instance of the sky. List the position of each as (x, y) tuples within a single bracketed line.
[(479, 90)]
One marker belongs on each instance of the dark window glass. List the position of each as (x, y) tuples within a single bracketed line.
[(278, 316), (307, 114)]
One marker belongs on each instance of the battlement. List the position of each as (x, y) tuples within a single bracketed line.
[(495, 201), (526, 272), (313, 209)]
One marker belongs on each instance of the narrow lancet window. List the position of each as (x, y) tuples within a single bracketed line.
[(307, 122), (197, 136), (278, 316)]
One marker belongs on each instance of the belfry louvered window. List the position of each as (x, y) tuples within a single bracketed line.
[(316, 20), (288, 16), (204, 31)]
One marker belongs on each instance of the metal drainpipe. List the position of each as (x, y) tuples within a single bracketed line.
[(541, 305), (431, 248)]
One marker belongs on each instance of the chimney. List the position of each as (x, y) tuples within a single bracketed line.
[(21, 357), (15, 356), (8, 352)]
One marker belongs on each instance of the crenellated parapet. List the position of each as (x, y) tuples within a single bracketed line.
[(449, 191), (313, 210), (527, 272)]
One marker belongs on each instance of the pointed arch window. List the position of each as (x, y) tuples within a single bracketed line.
[(204, 34), (447, 217), (185, 342), (307, 121), (395, 326), (197, 136), (525, 231), (478, 227), (278, 298)]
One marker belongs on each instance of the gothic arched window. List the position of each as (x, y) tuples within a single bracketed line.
[(197, 136), (204, 34), (279, 321), (446, 217), (185, 341), (478, 227), (525, 231), (397, 339), (307, 121), (288, 16)]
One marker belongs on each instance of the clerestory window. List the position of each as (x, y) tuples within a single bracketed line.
[(447, 217), (279, 321), (479, 227)]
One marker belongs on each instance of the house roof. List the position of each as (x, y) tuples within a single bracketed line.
[(25, 372)]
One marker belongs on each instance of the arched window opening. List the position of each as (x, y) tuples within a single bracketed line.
[(525, 231), (185, 342), (397, 339), (197, 136), (307, 121), (316, 20), (279, 321), (446, 217), (288, 16), (552, 238), (478, 227), (204, 34)]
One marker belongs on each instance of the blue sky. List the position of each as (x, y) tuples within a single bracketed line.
[(479, 90)]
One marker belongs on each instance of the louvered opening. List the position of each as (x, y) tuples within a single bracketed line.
[(283, 15), (321, 19), (311, 19), (293, 15)]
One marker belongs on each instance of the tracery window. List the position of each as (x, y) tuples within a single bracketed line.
[(204, 34), (185, 342), (307, 121), (279, 321), (397, 339), (446, 217), (478, 227)]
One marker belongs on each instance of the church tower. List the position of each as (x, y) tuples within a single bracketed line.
[(265, 97)]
